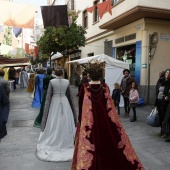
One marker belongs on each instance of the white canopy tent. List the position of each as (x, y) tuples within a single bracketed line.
[(56, 56), (113, 69)]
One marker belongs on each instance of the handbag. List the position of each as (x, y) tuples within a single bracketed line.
[(153, 118), (140, 102)]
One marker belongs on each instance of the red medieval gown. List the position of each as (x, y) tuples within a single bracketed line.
[(101, 142)]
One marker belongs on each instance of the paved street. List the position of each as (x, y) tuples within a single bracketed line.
[(17, 150)]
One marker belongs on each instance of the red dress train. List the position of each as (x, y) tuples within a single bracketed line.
[(101, 142)]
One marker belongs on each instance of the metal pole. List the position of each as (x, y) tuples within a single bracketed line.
[(149, 60), (148, 80)]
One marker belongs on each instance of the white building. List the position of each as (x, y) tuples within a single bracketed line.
[(126, 35)]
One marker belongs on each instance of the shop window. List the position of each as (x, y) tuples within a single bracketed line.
[(96, 12), (90, 54), (119, 40), (85, 19), (127, 54), (126, 38), (130, 37)]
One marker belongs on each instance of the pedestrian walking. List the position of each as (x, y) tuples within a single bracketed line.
[(125, 87), (4, 112), (101, 141), (159, 96), (133, 99), (31, 82), (23, 78), (38, 94), (56, 141), (165, 100), (4, 82), (11, 75), (46, 80), (83, 80), (116, 96)]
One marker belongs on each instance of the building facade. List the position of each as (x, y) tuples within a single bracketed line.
[(137, 32)]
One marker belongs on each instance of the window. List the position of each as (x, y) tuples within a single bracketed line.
[(90, 54), (85, 19), (114, 2), (96, 13)]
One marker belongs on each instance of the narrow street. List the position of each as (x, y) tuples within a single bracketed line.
[(17, 149)]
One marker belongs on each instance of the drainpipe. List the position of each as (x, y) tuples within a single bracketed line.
[(149, 61)]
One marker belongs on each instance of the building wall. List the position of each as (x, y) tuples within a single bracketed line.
[(143, 28), (161, 59), (122, 7)]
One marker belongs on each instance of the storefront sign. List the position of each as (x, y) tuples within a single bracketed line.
[(165, 37), (144, 65)]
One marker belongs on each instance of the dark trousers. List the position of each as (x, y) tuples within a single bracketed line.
[(166, 122), (163, 109), (117, 107), (126, 104), (134, 112), (161, 116)]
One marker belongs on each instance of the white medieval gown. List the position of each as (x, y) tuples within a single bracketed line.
[(56, 142)]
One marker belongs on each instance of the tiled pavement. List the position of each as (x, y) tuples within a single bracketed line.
[(17, 150)]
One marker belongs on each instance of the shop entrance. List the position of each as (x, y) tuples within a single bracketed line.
[(127, 54)]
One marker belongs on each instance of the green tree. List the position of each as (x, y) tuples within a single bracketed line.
[(38, 59), (63, 39)]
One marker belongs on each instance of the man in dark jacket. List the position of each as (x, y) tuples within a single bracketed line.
[(4, 112), (125, 87), (4, 82)]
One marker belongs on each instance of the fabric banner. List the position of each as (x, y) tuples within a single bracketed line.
[(5, 49), (35, 50), (103, 7), (17, 15), (109, 7), (17, 53), (27, 48), (17, 31), (90, 9), (54, 15)]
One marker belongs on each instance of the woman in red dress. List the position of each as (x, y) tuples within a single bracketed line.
[(101, 142)]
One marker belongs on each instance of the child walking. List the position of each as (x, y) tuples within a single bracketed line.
[(133, 99), (116, 96)]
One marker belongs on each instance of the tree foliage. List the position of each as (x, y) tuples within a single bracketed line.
[(63, 39), (47, 43), (38, 59)]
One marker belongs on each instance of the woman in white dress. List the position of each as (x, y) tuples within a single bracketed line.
[(56, 141)]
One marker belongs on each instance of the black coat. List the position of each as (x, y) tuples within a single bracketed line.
[(116, 95), (4, 112)]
